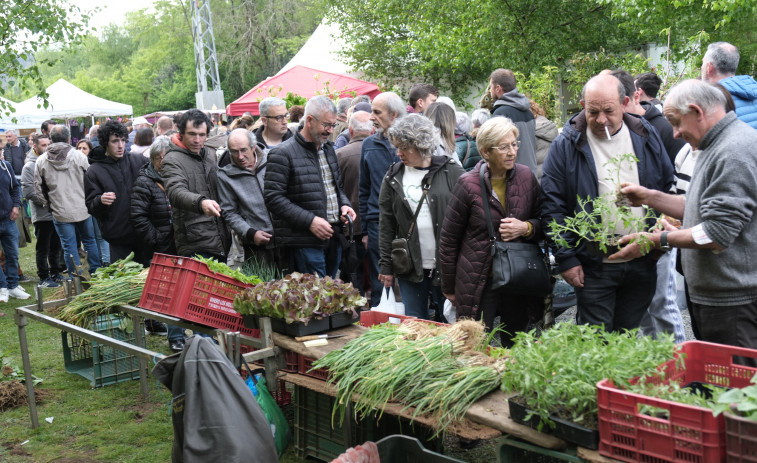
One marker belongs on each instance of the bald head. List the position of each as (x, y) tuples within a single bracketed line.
[(164, 124), (603, 98), (720, 61), (242, 145), (360, 124)]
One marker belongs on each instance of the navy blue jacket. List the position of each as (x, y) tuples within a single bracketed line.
[(11, 189), (570, 171), (376, 155)]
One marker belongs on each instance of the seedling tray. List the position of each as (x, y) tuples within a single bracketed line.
[(341, 319), (564, 429), (278, 325)]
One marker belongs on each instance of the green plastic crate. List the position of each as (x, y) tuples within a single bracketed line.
[(100, 364)]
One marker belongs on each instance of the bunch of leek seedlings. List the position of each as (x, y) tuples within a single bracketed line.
[(439, 371)]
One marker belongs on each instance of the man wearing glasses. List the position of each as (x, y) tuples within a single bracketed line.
[(303, 192), (274, 131)]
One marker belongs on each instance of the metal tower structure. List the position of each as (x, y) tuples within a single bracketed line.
[(206, 62)]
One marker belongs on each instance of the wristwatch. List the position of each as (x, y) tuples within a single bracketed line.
[(664, 245)]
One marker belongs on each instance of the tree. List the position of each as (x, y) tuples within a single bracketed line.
[(28, 26)]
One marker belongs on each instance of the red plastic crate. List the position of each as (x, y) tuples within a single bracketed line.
[(689, 433), (292, 362), (369, 318), (186, 288), (306, 363), (741, 439)]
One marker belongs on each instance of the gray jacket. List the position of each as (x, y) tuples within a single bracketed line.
[(59, 182), (517, 108), (39, 212), (240, 195), (721, 198)]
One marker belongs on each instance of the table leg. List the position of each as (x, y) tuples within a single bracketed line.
[(29, 379)]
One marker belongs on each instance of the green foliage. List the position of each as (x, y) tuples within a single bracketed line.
[(583, 66), (542, 87), (223, 269), (561, 368), (741, 401), (672, 392), (26, 27), (598, 218), (293, 99)]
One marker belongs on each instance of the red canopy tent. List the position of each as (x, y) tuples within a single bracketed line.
[(302, 81)]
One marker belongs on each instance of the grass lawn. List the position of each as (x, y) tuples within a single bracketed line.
[(108, 424)]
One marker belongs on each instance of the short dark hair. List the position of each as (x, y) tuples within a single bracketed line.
[(296, 112), (504, 78), (197, 117), (39, 136), (111, 128), (421, 92), (626, 79), (47, 125), (144, 137), (86, 142), (649, 82)]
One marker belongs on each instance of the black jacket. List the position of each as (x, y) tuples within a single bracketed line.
[(294, 191), (105, 175), (654, 116), (16, 155), (261, 141), (151, 212)]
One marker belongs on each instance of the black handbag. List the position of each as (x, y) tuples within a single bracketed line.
[(402, 260), (520, 268)]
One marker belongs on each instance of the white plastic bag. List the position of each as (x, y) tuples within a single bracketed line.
[(389, 303), (449, 311)]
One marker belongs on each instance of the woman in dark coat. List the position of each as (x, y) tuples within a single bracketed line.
[(465, 247)]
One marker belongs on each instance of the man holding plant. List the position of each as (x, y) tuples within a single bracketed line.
[(719, 222), (610, 293)]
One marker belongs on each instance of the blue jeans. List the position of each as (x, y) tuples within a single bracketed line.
[(415, 296), (9, 242), (175, 332), (617, 295), (102, 245), (373, 259), (321, 261), (67, 233)]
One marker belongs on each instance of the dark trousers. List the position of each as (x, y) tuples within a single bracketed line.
[(48, 249), (373, 259), (735, 325), (617, 296), (513, 310)]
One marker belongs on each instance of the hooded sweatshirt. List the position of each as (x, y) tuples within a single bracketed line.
[(517, 108), (744, 92), (39, 213), (59, 182)]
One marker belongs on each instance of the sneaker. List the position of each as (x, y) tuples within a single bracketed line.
[(3, 294), (48, 283), (57, 277), (155, 327), (23, 279), (19, 293)]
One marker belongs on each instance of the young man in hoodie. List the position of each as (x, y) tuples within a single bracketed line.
[(240, 191), (59, 185), (515, 106), (108, 184)]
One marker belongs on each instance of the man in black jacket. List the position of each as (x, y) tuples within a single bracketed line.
[(15, 151), (108, 184), (303, 191)]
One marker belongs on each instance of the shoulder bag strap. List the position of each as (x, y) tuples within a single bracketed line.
[(467, 152), (426, 186), (485, 198)]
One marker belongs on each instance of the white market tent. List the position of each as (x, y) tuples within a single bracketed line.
[(67, 101), (28, 121), (321, 52)]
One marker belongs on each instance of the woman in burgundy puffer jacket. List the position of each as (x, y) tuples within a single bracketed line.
[(465, 248)]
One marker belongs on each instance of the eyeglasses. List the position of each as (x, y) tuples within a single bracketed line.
[(509, 147), (325, 125), (278, 118)]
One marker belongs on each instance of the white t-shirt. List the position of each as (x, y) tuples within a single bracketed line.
[(412, 186)]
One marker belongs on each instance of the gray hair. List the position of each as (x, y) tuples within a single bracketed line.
[(159, 145), (448, 101), (462, 122), (361, 99), (359, 126), (268, 103), (10, 131), (319, 105), (724, 56), (93, 131), (697, 92), (480, 116), (417, 131), (394, 104), (343, 105), (250, 137), (60, 134)]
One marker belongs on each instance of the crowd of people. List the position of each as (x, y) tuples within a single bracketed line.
[(280, 191)]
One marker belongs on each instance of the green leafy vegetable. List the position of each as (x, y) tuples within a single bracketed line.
[(220, 267), (741, 401)]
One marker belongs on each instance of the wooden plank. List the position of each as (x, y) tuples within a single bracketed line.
[(593, 456), (466, 429), (287, 342)]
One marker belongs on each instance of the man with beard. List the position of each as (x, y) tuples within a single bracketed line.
[(303, 191)]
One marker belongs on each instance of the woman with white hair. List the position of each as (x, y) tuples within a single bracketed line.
[(412, 204)]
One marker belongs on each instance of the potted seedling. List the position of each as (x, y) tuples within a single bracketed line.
[(597, 220)]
